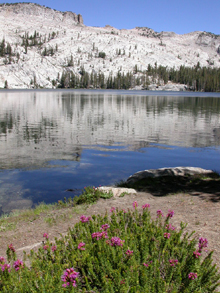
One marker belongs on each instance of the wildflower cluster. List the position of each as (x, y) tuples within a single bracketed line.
[(129, 253), (11, 247), (54, 248), (145, 206), (5, 267), (69, 277), (166, 235), (18, 264), (170, 214), (192, 276), (147, 264), (203, 242), (173, 262), (80, 246), (170, 227), (100, 235), (116, 241), (196, 254), (84, 219), (159, 213), (135, 204)]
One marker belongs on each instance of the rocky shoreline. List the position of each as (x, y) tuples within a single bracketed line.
[(154, 173)]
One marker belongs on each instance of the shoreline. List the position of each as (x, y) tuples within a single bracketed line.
[(199, 207)]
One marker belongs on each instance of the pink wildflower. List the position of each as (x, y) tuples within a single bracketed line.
[(170, 227), (69, 277), (80, 246), (105, 227), (2, 260), (84, 219), (147, 264), (46, 247), (203, 242), (5, 267), (170, 214), (135, 204), (116, 241), (124, 211), (173, 262), (145, 206), (99, 235), (10, 246), (196, 254), (159, 213), (45, 235), (54, 248), (129, 252), (18, 264), (112, 209), (192, 276), (166, 235)]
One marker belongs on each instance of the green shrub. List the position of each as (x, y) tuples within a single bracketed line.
[(102, 55), (121, 252), (91, 195)]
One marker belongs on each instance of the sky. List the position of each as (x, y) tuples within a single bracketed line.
[(179, 16)]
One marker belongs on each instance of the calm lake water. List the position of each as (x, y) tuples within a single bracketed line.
[(52, 141)]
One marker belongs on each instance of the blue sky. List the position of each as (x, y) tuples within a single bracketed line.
[(179, 16)]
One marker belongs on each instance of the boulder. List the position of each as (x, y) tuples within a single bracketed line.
[(117, 191), (177, 171)]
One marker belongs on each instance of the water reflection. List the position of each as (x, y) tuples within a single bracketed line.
[(36, 127), (51, 141)]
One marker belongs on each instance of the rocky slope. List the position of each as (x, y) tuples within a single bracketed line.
[(41, 42)]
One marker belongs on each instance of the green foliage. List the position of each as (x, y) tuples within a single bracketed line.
[(91, 195), (196, 78), (124, 252), (102, 55)]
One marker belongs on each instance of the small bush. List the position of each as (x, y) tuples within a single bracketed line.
[(102, 55), (124, 252), (91, 195)]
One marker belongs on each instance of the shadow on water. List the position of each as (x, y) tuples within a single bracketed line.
[(206, 187)]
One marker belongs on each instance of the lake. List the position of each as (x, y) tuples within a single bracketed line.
[(55, 142)]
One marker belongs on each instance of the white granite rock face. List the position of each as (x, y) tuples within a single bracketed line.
[(117, 192), (177, 171), (138, 47)]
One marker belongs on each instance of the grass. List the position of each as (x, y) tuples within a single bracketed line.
[(76, 205), (5, 226)]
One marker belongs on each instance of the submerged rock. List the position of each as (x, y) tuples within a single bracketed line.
[(177, 171)]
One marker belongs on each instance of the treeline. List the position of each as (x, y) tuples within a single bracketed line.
[(69, 79), (196, 78)]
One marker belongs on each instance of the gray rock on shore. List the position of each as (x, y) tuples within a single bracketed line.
[(177, 171)]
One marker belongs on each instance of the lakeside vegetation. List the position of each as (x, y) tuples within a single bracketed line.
[(125, 251), (121, 251)]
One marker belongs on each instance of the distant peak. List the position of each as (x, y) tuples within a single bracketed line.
[(33, 9)]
